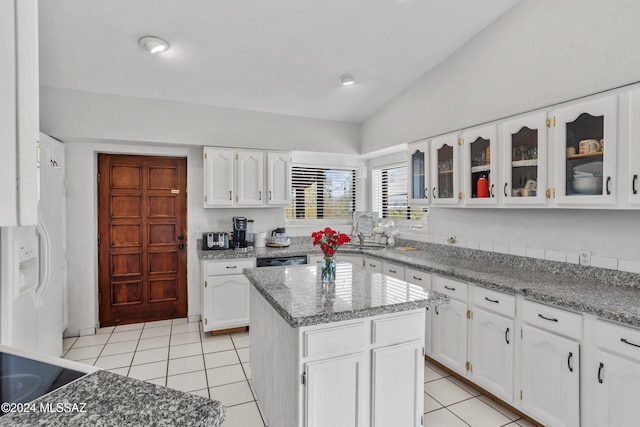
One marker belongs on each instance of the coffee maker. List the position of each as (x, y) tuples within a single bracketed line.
[(239, 233)]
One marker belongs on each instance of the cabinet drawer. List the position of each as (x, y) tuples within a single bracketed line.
[(373, 264), (393, 270), (553, 320), (418, 277), (398, 329), (618, 339), (314, 259), (453, 288), (334, 341), (353, 259), (495, 301), (217, 268)]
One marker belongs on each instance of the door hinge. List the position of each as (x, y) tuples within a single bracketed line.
[(548, 193), (205, 156), (460, 195), (460, 141), (236, 198), (205, 198), (554, 121), (469, 367), (236, 156), (205, 283), (548, 123), (520, 394), (304, 378), (98, 178), (469, 314)]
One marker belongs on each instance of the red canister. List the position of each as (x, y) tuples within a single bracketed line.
[(483, 187)]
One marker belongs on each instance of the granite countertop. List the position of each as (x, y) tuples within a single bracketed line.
[(114, 400), (608, 294), (297, 294)]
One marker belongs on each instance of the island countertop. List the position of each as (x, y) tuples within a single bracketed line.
[(297, 294), (107, 399)]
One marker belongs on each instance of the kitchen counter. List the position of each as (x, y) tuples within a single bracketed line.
[(609, 294), (107, 399), (297, 294)]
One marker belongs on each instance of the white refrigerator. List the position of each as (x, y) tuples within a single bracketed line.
[(33, 266)]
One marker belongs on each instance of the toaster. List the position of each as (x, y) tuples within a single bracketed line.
[(215, 240)]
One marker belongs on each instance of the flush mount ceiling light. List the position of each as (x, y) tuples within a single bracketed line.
[(347, 79), (153, 44)]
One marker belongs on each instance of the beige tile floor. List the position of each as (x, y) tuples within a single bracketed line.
[(176, 354)]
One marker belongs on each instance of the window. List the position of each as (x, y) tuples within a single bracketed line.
[(322, 193), (390, 196)]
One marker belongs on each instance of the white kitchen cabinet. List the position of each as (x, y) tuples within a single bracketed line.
[(614, 378), (445, 167), (373, 264), (550, 368), (423, 279), (278, 179), (391, 405), (634, 148), (525, 161), (218, 174), (418, 177), (19, 112), (225, 294), (322, 405), (393, 270), (586, 143), (246, 178), (479, 163), (249, 179), (450, 326), (357, 260)]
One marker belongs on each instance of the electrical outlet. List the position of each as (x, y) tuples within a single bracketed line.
[(585, 258)]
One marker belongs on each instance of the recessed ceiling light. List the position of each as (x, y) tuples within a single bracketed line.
[(153, 44), (348, 80)]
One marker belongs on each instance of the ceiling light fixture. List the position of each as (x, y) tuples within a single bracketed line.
[(153, 44), (348, 80)]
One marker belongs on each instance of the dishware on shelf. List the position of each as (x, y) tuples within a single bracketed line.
[(588, 185), (587, 146)]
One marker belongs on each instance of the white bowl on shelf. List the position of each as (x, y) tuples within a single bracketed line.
[(587, 185)]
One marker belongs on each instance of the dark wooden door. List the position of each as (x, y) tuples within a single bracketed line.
[(142, 214)]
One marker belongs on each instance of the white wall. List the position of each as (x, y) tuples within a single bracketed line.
[(541, 52), (82, 229), (74, 115)]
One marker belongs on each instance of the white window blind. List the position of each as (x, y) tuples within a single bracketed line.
[(390, 195), (322, 193)]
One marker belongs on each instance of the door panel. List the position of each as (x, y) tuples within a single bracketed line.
[(141, 222)]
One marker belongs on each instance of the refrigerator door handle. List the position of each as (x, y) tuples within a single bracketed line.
[(44, 261)]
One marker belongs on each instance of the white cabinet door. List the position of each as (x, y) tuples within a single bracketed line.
[(391, 405), (525, 160), (423, 279), (353, 259), (617, 390), (322, 405), (450, 335), (373, 264), (393, 270), (418, 173), (227, 299), (218, 177), (249, 178), (634, 148), (550, 378), (480, 163), (492, 353), (585, 154), (279, 179), (445, 169)]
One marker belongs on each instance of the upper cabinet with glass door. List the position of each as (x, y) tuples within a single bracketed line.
[(524, 160), (418, 170), (480, 166), (444, 165), (585, 153)]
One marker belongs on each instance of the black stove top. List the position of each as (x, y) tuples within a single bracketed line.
[(23, 380)]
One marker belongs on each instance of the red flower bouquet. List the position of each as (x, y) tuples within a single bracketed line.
[(329, 241)]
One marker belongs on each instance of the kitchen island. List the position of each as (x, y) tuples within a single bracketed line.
[(350, 353)]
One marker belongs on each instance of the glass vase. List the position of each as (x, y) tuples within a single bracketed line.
[(328, 269)]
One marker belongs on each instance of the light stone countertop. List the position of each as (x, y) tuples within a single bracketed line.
[(608, 294), (297, 293)]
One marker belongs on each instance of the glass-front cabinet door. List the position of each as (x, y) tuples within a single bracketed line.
[(586, 153), (418, 179), (524, 160), (480, 170), (444, 157), (634, 148)]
